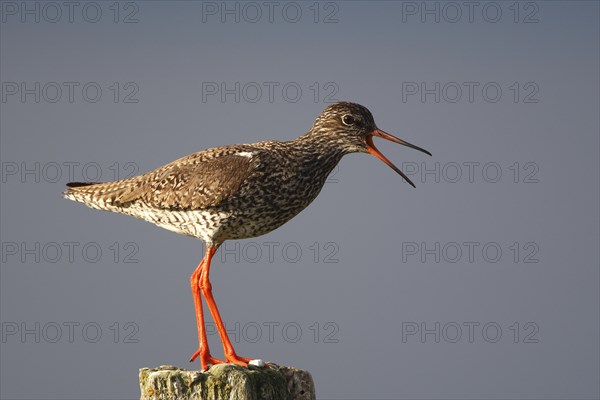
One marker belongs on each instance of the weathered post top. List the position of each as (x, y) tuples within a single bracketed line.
[(226, 381)]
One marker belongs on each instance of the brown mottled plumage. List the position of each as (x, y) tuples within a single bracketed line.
[(239, 191)]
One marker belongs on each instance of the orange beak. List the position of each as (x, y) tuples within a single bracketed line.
[(373, 150)]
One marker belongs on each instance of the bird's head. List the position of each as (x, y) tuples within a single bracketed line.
[(352, 127)]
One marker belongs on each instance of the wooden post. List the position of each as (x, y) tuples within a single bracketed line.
[(226, 381)]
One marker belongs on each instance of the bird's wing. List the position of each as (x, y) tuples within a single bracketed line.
[(190, 186)]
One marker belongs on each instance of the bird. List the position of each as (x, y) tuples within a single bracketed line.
[(238, 191)]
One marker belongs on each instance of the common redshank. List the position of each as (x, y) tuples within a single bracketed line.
[(238, 191)]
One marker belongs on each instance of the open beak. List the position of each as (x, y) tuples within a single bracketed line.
[(373, 150)]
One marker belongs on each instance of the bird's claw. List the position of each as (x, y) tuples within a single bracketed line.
[(239, 360), (206, 360)]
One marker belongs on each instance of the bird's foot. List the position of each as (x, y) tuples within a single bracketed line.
[(206, 360), (239, 360)]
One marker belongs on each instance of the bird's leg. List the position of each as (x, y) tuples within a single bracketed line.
[(203, 351), (206, 288)]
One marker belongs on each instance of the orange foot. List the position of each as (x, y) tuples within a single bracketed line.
[(207, 360), (239, 360)]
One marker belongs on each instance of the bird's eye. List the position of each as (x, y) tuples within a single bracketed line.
[(348, 120)]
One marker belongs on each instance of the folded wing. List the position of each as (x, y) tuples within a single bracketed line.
[(181, 185)]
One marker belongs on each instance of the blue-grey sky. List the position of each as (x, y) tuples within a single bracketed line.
[(483, 282)]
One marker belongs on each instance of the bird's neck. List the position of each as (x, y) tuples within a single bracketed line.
[(318, 152), (323, 146)]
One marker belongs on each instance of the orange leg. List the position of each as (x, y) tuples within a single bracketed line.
[(203, 351), (206, 289)]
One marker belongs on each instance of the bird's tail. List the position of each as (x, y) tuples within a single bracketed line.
[(98, 195)]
